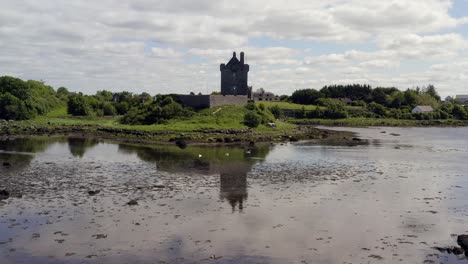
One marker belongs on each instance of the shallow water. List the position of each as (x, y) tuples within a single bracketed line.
[(388, 198)]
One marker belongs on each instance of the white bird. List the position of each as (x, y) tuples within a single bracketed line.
[(227, 154), (199, 155)]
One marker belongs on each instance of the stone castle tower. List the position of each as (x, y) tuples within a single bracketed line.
[(234, 76)]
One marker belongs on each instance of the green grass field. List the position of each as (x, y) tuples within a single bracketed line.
[(286, 105), (224, 117)]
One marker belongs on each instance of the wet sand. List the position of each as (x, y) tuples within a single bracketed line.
[(386, 198)]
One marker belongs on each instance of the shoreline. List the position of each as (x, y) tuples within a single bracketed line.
[(211, 137), (306, 129), (375, 122)]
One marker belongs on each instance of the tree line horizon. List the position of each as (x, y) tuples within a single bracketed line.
[(23, 100)]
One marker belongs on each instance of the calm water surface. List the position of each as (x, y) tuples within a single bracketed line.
[(389, 198)]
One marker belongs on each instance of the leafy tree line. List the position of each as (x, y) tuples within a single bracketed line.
[(21, 100), (387, 96), (379, 102)]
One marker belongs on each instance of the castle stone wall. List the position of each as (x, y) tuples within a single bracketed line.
[(194, 101)]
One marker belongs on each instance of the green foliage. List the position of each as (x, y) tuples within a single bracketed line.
[(377, 109), (63, 92), (459, 112), (300, 113), (359, 103), (431, 90), (155, 112), (78, 105), (250, 106), (261, 106), (335, 110), (306, 96), (276, 111), (16, 87), (122, 108), (108, 109), (22, 100), (325, 101), (251, 119), (13, 108), (354, 91)]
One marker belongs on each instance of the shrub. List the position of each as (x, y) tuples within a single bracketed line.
[(300, 113), (251, 119), (335, 111), (77, 105), (108, 109), (378, 109), (250, 106), (276, 111)]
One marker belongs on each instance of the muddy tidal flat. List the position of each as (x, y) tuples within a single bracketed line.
[(390, 195)]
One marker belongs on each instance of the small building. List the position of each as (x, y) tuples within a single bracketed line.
[(422, 109), (265, 96), (463, 98)]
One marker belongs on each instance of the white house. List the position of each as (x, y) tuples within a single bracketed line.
[(422, 109), (463, 98)]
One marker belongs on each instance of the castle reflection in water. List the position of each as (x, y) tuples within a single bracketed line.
[(232, 164)]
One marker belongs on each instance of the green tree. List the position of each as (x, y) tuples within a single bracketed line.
[(378, 109), (276, 111), (77, 105), (13, 108), (63, 92), (108, 109), (431, 90), (306, 96), (16, 87)]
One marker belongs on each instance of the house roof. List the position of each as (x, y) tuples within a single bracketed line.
[(424, 108), (462, 96)]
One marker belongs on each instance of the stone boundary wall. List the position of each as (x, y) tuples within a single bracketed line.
[(217, 100)]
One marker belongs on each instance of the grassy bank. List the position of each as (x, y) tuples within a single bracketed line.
[(221, 125), (215, 125)]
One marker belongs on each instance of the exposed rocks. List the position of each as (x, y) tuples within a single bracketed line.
[(293, 139), (462, 241), (181, 143), (133, 202), (4, 194), (100, 236), (92, 193), (6, 164), (356, 139)]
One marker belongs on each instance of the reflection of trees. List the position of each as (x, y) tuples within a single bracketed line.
[(78, 146), (18, 151), (31, 145), (232, 163)]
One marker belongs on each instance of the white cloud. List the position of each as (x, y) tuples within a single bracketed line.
[(176, 45)]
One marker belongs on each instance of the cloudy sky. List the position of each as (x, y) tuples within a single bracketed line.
[(162, 46)]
